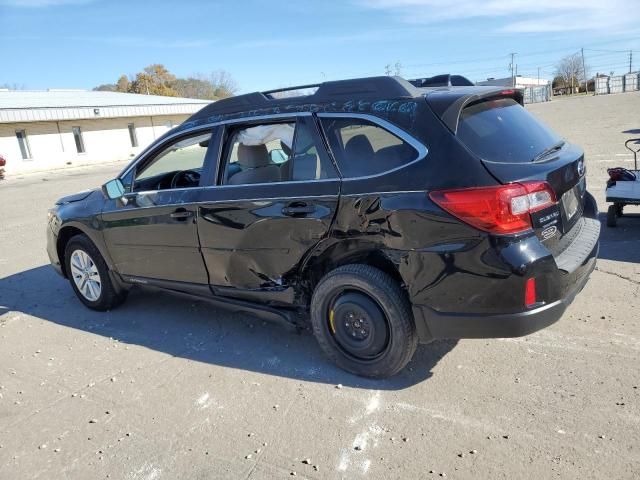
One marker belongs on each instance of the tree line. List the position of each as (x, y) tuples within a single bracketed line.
[(155, 79)]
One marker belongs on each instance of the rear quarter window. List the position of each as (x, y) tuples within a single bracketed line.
[(363, 148), (502, 131)]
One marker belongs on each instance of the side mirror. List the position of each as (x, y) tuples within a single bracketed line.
[(113, 189)]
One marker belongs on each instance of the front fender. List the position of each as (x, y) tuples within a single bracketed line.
[(83, 217)]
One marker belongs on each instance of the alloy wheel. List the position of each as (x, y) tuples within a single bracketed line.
[(85, 275)]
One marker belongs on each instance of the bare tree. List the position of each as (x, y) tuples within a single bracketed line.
[(13, 86), (570, 70), (223, 83)]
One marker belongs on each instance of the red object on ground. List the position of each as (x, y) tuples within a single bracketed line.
[(3, 162)]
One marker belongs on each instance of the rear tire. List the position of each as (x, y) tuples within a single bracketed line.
[(363, 321), (612, 216), (89, 275)]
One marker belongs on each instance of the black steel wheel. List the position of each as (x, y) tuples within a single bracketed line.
[(358, 325), (363, 322)]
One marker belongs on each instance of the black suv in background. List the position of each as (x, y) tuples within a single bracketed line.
[(389, 214)]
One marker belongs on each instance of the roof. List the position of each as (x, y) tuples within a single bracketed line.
[(49, 105), (381, 96), (371, 88)]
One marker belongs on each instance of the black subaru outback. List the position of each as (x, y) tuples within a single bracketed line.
[(388, 214)]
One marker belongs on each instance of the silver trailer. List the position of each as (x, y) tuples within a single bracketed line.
[(616, 84), (631, 82)]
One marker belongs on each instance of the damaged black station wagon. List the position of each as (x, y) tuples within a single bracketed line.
[(386, 213)]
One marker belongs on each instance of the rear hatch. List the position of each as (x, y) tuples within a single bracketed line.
[(515, 146)]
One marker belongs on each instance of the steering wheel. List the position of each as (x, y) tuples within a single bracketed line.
[(185, 178)]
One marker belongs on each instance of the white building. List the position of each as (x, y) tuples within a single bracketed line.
[(520, 82), (41, 130)]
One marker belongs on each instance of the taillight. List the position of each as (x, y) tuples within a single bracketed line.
[(503, 209)]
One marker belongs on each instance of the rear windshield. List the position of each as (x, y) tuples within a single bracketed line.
[(502, 131)]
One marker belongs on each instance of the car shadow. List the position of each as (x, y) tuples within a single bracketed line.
[(620, 243), (194, 329)]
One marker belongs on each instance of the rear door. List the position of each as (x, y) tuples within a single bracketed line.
[(275, 198), (515, 146)]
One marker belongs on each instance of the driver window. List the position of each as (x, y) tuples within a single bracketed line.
[(177, 166)]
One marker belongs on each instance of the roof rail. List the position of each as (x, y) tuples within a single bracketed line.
[(269, 93), (371, 88), (444, 80)]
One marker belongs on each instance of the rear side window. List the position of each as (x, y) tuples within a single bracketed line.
[(363, 148), (503, 131), (276, 152)]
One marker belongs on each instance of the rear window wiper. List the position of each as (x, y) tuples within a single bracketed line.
[(553, 148)]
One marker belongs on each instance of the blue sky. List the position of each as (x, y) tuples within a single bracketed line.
[(269, 44)]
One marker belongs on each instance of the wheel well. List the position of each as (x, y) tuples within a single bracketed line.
[(331, 261), (65, 234)]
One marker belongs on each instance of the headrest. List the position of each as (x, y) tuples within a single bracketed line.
[(359, 146), (253, 156)]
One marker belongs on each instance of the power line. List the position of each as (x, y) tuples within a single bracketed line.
[(481, 67)]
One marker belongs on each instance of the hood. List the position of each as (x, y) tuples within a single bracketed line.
[(76, 197)]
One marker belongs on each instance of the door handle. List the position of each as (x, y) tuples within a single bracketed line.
[(181, 214), (300, 209)]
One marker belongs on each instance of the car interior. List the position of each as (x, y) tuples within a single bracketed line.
[(266, 154), (177, 166), (365, 149)]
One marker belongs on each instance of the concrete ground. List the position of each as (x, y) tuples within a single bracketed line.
[(168, 387)]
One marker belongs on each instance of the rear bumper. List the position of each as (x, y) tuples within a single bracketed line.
[(437, 325)]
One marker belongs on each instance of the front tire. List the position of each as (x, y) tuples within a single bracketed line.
[(89, 275), (363, 322)]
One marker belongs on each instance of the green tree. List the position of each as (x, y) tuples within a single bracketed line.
[(123, 84), (193, 87), (154, 80), (106, 87)]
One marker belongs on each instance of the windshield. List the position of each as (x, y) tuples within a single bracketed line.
[(502, 131)]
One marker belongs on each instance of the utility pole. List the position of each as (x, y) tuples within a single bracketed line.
[(630, 60), (538, 76), (512, 67), (584, 73)]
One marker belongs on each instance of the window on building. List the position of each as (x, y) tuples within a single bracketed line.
[(77, 136), (363, 148), (23, 142), (132, 135)]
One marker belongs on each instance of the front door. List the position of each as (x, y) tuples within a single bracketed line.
[(276, 198), (153, 234)]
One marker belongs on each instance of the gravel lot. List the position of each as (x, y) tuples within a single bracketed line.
[(168, 387)]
